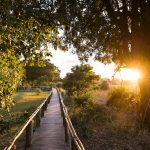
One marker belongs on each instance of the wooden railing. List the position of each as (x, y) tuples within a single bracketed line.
[(70, 133), (27, 129)]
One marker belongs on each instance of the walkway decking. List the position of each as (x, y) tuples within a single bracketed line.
[(50, 135)]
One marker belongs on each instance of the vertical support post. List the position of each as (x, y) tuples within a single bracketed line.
[(38, 119), (42, 111), (61, 109), (64, 121), (29, 133), (14, 146), (49, 99), (45, 105), (66, 131), (73, 146)]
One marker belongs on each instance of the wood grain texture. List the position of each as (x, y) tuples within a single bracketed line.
[(50, 135)]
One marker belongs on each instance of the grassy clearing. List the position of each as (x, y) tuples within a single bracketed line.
[(26, 103)]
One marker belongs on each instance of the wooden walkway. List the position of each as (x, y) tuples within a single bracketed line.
[(50, 135)]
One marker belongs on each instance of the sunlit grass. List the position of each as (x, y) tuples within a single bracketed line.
[(26, 102)]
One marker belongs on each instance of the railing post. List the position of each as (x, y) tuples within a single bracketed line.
[(48, 99), (29, 132), (38, 118), (42, 111), (66, 131), (61, 107), (14, 147), (45, 105), (73, 146)]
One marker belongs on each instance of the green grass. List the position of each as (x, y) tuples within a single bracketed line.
[(26, 100), (26, 104)]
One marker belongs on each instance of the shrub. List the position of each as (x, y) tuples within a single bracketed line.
[(38, 91), (86, 113), (104, 85), (83, 100), (121, 98), (87, 117)]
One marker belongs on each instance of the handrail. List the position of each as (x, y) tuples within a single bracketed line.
[(40, 110), (69, 129)]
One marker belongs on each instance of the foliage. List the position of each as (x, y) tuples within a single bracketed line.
[(43, 80), (25, 33), (24, 29), (47, 73), (81, 80), (86, 113), (38, 91), (104, 85), (112, 30), (11, 73), (59, 84), (122, 98)]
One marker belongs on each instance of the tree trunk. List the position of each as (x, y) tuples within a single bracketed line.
[(144, 85)]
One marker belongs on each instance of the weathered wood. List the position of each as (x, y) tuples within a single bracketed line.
[(14, 146), (10, 147), (73, 145), (38, 119), (45, 105), (66, 131), (42, 111), (48, 100), (77, 143), (29, 133), (51, 134)]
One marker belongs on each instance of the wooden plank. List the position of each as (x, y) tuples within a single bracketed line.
[(51, 134), (18, 135), (29, 133)]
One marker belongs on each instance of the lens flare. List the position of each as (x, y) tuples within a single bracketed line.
[(129, 74)]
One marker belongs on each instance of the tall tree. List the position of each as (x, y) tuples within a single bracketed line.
[(11, 73), (112, 30), (81, 80), (49, 70), (26, 28)]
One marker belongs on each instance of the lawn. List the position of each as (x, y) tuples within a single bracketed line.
[(26, 104)]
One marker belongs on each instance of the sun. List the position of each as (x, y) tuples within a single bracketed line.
[(130, 74)]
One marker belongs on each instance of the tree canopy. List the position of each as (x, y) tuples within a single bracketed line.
[(50, 71), (116, 30), (112, 30), (11, 73), (81, 80), (26, 29)]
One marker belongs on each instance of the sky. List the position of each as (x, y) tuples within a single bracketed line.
[(65, 60)]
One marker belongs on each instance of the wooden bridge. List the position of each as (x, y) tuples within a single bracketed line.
[(53, 132)]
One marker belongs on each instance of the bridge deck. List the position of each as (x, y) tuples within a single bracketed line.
[(50, 135)]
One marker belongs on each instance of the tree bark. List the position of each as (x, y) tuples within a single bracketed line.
[(144, 112)]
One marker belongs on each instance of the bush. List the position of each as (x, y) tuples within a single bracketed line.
[(38, 91), (104, 85), (86, 113), (121, 98), (83, 100), (87, 117)]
